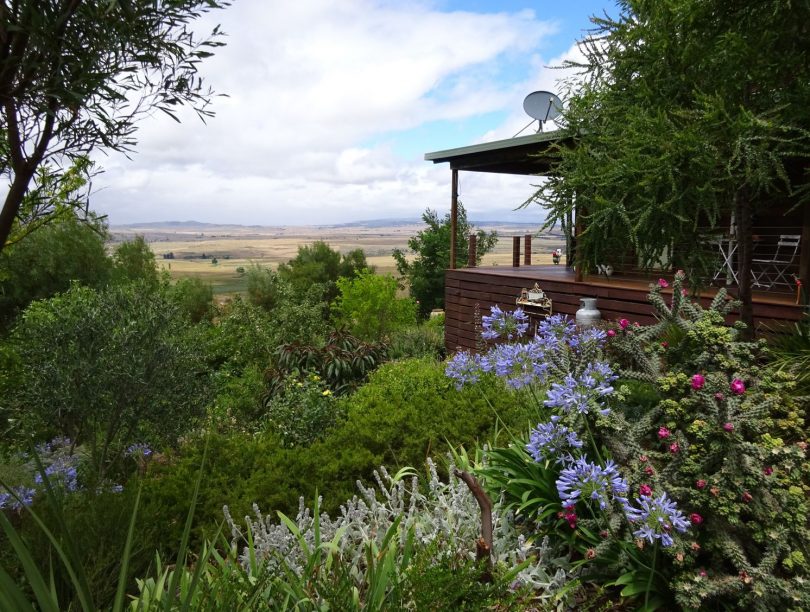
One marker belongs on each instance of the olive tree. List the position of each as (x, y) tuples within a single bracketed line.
[(76, 75)]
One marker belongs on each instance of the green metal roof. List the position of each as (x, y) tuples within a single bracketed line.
[(520, 155)]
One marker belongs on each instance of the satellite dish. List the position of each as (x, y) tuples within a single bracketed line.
[(543, 106)]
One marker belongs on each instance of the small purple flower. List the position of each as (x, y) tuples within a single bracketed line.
[(463, 368), (138, 449), (500, 324), (552, 441), (518, 364), (586, 480), (656, 518)]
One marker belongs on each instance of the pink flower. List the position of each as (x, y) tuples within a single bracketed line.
[(698, 381), (684, 292), (665, 344), (737, 386), (663, 433), (643, 458), (645, 490), (701, 484), (674, 448), (649, 470), (623, 323), (747, 497), (695, 518), (663, 283), (768, 471), (611, 333), (719, 396), (702, 573), (680, 274), (728, 427), (571, 517)]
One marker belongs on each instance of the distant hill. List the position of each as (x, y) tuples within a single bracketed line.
[(198, 226)]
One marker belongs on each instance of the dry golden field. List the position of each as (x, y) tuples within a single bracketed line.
[(237, 247)]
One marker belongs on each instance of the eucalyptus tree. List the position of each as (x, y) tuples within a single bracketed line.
[(684, 112), (76, 75)]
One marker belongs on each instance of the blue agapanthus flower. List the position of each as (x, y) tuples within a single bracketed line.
[(500, 324), (553, 441), (463, 368), (582, 393), (656, 519), (139, 449), (557, 328), (17, 498), (61, 471), (518, 364), (584, 479)]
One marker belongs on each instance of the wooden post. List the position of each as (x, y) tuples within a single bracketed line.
[(453, 218), (472, 250), (527, 250), (804, 258), (578, 259), (515, 251)]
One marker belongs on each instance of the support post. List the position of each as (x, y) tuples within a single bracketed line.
[(453, 218), (527, 250), (578, 259), (515, 251), (472, 250), (804, 258)]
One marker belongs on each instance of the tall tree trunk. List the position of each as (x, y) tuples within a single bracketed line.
[(745, 250), (14, 199)]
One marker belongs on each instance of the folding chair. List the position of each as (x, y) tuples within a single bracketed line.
[(774, 271)]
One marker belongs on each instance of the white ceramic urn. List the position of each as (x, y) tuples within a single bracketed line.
[(588, 315)]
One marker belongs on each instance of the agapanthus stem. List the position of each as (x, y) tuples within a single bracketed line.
[(649, 581), (593, 441)]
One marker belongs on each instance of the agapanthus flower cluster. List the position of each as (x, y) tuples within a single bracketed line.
[(656, 518), (463, 368), (61, 472), (500, 324), (17, 498), (518, 364), (558, 327), (138, 450), (583, 393), (553, 441), (583, 479)]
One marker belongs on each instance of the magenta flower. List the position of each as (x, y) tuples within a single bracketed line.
[(674, 448), (737, 386), (649, 470), (747, 497), (645, 490), (662, 282), (695, 518), (663, 433), (768, 471), (623, 323), (728, 427), (719, 396), (698, 381), (611, 333), (701, 484)]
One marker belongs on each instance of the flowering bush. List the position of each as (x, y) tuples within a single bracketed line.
[(718, 463)]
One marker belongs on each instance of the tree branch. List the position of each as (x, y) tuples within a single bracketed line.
[(483, 547)]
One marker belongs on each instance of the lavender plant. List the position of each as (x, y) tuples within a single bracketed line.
[(396, 511)]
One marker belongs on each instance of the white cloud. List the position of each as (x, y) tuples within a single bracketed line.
[(310, 84)]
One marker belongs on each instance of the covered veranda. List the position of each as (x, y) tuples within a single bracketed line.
[(623, 294)]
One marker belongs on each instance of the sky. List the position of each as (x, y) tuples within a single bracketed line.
[(331, 107)]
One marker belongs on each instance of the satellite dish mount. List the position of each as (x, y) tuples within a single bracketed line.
[(542, 106)]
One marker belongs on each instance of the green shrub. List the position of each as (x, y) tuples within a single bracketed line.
[(369, 307), (424, 340), (302, 411), (406, 412), (194, 297), (108, 368)]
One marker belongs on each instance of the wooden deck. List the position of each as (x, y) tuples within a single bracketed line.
[(616, 297)]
